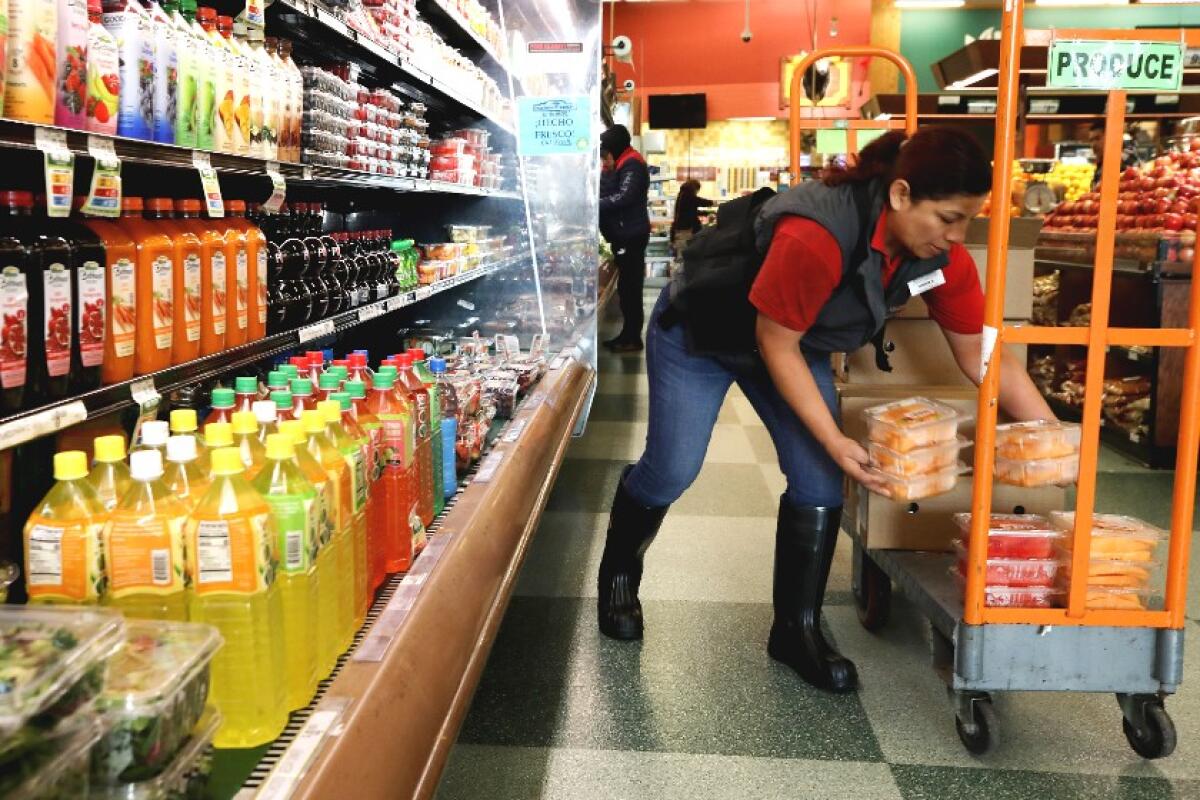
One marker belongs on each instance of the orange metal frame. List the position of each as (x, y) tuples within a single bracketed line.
[(1096, 337)]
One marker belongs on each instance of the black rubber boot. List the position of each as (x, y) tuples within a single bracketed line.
[(631, 529), (805, 539)]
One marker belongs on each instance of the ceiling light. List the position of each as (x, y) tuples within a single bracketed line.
[(911, 4), (1081, 2), (1165, 2), (973, 79), (752, 119)]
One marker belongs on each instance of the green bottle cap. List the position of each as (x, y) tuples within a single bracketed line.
[(282, 399), (356, 389), (329, 380), (245, 385), (383, 380), (302, 386), (342, 398), (223, 398)]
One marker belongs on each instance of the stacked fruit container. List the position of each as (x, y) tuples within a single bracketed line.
[(1024, 557), (914, 446), (1039, 453)]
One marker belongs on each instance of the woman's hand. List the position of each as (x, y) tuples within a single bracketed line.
[(853, 460)]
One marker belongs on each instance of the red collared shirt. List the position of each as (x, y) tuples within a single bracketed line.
[(804, 265)]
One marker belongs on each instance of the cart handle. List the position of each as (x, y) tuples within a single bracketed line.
[(851, 51)]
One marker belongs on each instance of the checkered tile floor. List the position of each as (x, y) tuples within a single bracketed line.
[(698, 711)]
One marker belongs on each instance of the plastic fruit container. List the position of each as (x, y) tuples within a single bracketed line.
[(909, 424), (1113, 572), (1018, 596), (185, 777), (1015, 535), (156, 692), (1113, 536), (1013, 571), (58, 768), (921, 461), (1117, 598), (1042, 472), (1037, 440), (921, 486)]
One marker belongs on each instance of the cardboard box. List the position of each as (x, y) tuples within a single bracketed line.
[(920, 356), (1018, 284)]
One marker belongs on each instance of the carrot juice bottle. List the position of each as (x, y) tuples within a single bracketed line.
[(185, 344), (63, 561), (238, 281), (213, 276), (256, 260), (121, 284), (155, 269)]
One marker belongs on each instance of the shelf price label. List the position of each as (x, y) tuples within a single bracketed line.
[(424, 292), (278, 189), (317, 330), (323, 724), (147, 399), (374, 311), (59, 166), (1115, 64), (255, 13), (488, 467), (400, 301), (51, 420), (209, 183), (104, 196)]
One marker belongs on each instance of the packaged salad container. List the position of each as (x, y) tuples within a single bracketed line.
[(185, 777), (1015, 535), (908, 424), (58, 768), (156, 692), (1037, 440), (52, 662)]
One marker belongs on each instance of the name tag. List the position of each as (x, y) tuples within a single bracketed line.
[(926, 282)]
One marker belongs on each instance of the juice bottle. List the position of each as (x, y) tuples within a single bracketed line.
[(232, 558), (237, 259), (201, 71), (241, 87), (283, 405), (359, 371), (281, 90), (184, 423), (180, 113), (448, 399), (153, 435), (316, 365), (341, 543), (421, 370), (224, 116), (143, 545), (245, 392), (328, 610), (29, 93), (295, 88), (256, 261), (71, 58), (292, 500), (109, 477), (103, 74), (268, 422), (251, 68), (85, 306), (245, 439), (14, 305), (355, 467), (121, 289), (213, 274), (277, 380), (183, 474), (291, 371), (187, 278), (155, 288), (211, 64), (303, 398), (393, 500), (268, 141), (327, 385), (418, 398), (63, 562), (166, 69), (129, 24), (223, 404)]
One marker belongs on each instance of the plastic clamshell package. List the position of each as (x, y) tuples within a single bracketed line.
[(1112, 572), (59, 770), (1113, 536), (1017, 596), (1037, 440), (1015, 535), (922, 486), (183, 777), (921, 461), (50, 654), (1117, 598), (912, 423), (1013, 571), (157, 689), (1042, 472)]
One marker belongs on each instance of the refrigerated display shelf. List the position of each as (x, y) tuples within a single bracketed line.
[(457, 30), (50, 418)]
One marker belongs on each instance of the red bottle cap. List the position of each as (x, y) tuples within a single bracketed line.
[(190, 205), (417, 353), (17, 199), (235, 206), (161, 204), (132, 204)]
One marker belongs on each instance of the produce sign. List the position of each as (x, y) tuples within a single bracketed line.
[(1075, 64)]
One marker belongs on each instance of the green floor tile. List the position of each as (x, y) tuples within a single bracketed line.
[(951, 783)]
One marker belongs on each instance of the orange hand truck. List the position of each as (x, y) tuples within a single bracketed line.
[(977, 649)]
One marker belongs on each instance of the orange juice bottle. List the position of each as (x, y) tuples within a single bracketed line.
[(245, 439), (109, 477), (63, 561), (143, 545), (341, 542), (185, 345), (182, 473), (232, 560), (213, 275), (256, 259), (155, 269), (120, 333), (238, 279)]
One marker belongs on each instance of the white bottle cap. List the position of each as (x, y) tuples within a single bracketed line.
[(145, 465), (181, 448), (155, 433), (264, 411)]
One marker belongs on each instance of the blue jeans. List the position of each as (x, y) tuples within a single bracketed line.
[(686, 394)]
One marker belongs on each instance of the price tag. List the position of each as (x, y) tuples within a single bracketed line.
[(278, 189), (147, 399), (466, 305), (399, 301), (306, 173), (255, 14), (59, 163), (371, 312), (209, 184), (299, 755), (104, 196), (424, 292), (42, 423), (317, 330), (487, 469), (515, 430)]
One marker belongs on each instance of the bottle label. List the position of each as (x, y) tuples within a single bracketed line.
[(294, 524), (104, 80), (261, 289), (343, 497), (164, 309), (422, 406), (14, 306), (397, 441), (218, 292), (233, 555), (191, 296), (90, 278), (243, 290), (145, 558), (64, 561), (356, 466), (57, 285), (323, 513), (374, 448), (122, 305)]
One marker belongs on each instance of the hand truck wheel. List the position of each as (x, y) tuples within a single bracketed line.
[(872, 590), (1148, 727), (980, 730)]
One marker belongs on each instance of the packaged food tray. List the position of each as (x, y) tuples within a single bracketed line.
[(1018, 596), (1113, 536), (1015, 572), (921, 486), (909, 424), (185, 777), (920, 461), (1042, 472), (1037, 440), (1015, 535), (57, 767)]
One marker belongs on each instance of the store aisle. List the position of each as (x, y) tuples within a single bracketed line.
[(698, 711)]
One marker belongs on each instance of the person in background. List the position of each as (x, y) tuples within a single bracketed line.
[(687, 213), (1095, 137), (625, 223)]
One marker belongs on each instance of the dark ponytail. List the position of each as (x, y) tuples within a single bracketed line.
[(936, 162)]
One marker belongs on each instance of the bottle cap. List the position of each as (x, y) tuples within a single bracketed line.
[(282, 398), (70, 465), (382, 380), (417, 353), (299, 362), (332, 410), (227, 460), (390, 370), (314, 421), (155, 433), (183, 420), (223, 398), (404, 360), (181, 448), (437, 365), (264, 411), (291, 370), (236, 206), (340, 362), (277, 378), (218, 434), (294, 429), (357, 360), (109, 449), (146, 465), (188, 205), (316, 357), (244, 422), (329, 380), (302, 386), (342, 373), (130, 204), (247, 384), (280, 447), (342, 399), (356, 389)]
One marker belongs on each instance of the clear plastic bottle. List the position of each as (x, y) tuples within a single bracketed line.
[(240, 143), (245, 438), (352, 454), (223, 404), (245, 390), (268, 142), (422, 371), (282, 399), (448, 399), (155, 270), (233, 556), (393, 494), (143, 545), (295, 83), (109, 476), (217, 435), (152, 435), (239, 278), (322, 447), (63, 562), (182, 473), (267, 418), (184, 423), (253, 87), (419, 399), (292, 499), (303, 398), (214, 294), (327, 385)]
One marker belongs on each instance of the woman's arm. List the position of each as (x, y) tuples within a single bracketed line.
[(780, 348), (1019, 396)]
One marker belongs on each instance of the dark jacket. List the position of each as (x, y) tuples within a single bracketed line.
[(687, 214), (624, 214), (608, 185)]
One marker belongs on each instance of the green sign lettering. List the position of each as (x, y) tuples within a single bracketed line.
[(1115, 64)]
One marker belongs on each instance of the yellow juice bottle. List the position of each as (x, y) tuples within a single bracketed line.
[(352, 454), (324, 450), (182, 473), (184, 423), (143, 545), (327, 578), (245, 439), (267, 418), (152, 435), (216, 436), (109, 476), (232, 557), (292, 499), (63, 561)]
